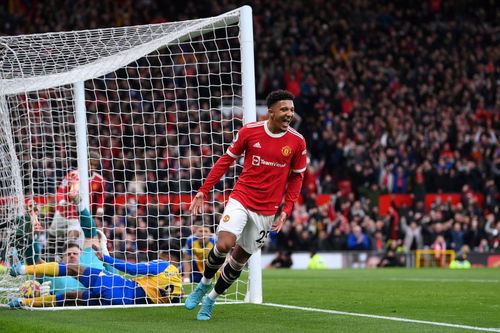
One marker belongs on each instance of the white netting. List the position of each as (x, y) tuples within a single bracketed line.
[(162, 104)]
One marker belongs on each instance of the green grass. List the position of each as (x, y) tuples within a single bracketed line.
[(456, 297)]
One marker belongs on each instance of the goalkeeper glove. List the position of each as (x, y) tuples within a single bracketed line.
[(45, 288)]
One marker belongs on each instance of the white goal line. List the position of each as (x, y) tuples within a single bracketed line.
[(104, 307), (415, 321)]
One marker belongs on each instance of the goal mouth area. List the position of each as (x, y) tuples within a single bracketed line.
[(147, 111)]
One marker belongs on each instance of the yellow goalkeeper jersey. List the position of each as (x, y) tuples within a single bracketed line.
[(161, 288)]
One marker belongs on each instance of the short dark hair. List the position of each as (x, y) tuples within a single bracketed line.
[(279, 95), (71, 244)]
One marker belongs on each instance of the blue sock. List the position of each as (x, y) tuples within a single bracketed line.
[(60, 299)]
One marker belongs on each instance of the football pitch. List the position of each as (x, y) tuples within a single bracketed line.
[(382, 300)]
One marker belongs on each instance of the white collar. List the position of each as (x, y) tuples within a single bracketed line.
[(271, 134)]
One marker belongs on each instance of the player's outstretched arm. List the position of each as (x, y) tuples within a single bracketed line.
[(150, 268)]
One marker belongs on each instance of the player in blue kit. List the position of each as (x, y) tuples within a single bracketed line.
[(196, 250), (84, 273), (155, 282)]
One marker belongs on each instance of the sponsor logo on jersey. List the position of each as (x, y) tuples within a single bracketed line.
[(226, 218), (286, 151), (258, 161), (257, 145), (255, 160)]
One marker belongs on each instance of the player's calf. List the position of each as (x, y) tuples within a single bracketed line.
[(215, 260), (230, 273)]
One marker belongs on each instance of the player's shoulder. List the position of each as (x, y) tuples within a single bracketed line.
[(172, 269), (295, 133), (255, 125), (250, 129), (191, 239)]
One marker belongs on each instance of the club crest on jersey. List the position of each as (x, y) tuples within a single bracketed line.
[(226, 218), (286, 151)]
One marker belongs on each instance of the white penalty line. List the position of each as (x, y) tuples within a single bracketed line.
[(415, 321)]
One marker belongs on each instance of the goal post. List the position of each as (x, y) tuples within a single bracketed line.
[(81, 142), (150, 109), (249, 115)]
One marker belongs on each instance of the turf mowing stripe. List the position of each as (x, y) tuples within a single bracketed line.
[(445, 280), (435, 323)]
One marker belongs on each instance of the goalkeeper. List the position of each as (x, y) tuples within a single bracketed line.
[(155, 282), (31, 249)]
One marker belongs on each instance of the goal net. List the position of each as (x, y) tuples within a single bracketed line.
[(135, 117)]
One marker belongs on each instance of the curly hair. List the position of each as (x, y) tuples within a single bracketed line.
[(278, 95)]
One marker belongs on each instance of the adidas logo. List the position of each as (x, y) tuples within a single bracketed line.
[(257, 145)]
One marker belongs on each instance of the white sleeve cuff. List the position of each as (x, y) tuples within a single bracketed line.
[(232, 155)]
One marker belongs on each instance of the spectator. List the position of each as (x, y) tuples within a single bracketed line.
[(408, 114), (357, 240), (413, 239)]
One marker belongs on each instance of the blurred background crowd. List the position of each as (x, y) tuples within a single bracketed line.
[(393, 97)]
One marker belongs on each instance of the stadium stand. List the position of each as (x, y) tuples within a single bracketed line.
[(399, 105)]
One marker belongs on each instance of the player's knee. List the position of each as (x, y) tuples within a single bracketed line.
[(224, 247), (225, 242)]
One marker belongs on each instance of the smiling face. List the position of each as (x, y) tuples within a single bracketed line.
[(280, 116)]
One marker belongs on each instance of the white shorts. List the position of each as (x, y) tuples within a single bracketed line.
[(250, 228), (61, 226)]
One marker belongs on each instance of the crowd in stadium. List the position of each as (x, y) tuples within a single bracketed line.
[(395, 98)]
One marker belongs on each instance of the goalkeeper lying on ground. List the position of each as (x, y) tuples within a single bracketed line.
[(87, 256), (156, 282), (27, 243)]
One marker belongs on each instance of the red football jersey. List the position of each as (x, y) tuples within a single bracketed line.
[(269, 159)]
